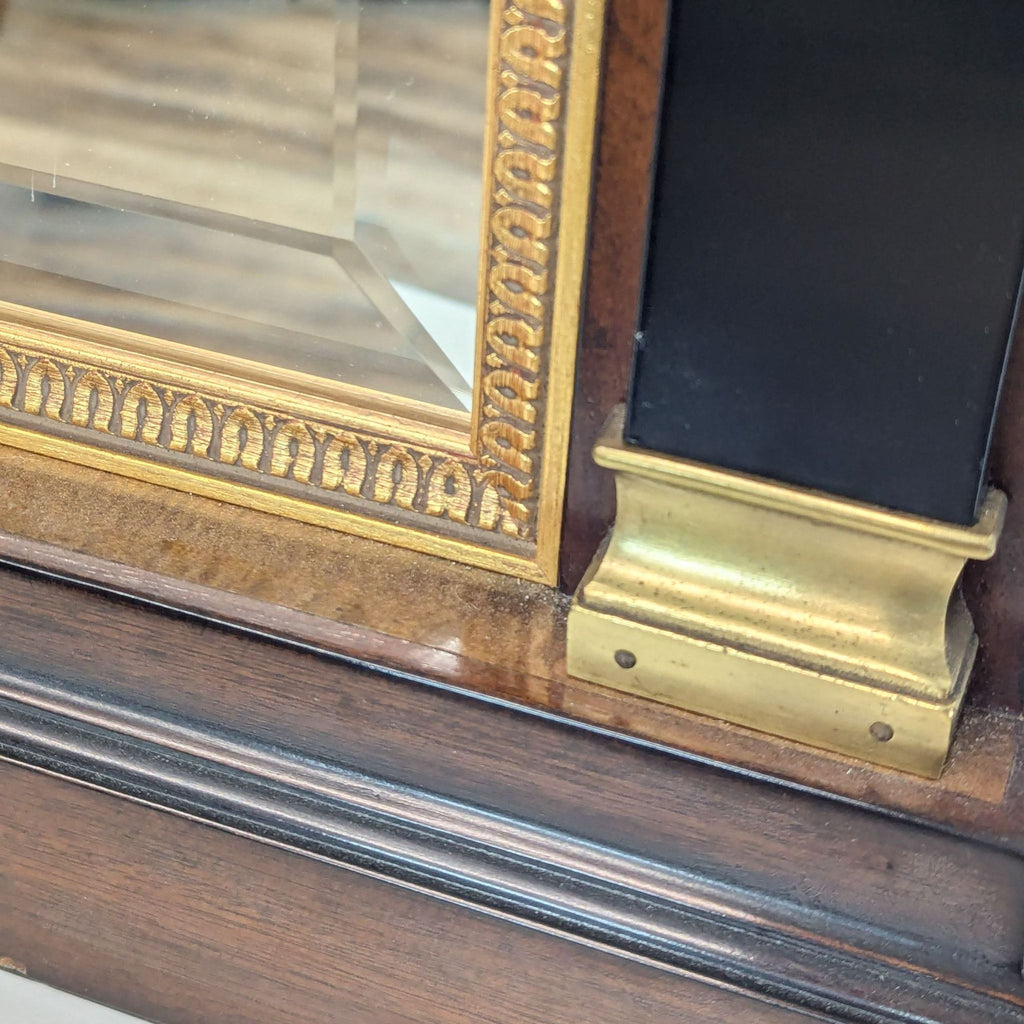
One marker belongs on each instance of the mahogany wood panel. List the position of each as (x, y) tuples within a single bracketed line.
[(487, 634), (183, 924), (996, 589), (172, 710)]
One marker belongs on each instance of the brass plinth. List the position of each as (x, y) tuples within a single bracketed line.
[(790, 611)]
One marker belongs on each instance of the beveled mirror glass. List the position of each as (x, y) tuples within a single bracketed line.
[(322, 257), (296, 182)]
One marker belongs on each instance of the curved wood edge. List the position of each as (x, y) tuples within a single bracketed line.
[(675, 865), (500, 639), (174, 921), (488, 862)]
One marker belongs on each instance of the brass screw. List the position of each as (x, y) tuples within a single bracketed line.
[(881, 732), (625, 659)]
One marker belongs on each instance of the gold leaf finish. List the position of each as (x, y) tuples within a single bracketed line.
[(489, 495)]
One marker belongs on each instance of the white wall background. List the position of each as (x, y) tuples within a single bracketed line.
[(27, 1002)]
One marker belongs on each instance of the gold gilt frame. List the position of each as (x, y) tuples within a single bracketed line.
[(483, 488)]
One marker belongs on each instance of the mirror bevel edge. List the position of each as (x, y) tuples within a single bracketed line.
[(492, 503)]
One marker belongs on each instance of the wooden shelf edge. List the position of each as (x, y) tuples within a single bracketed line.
[(501, 866), (663, 914), (981, 795)]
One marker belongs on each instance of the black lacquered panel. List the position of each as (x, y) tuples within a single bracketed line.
[(837, 241)]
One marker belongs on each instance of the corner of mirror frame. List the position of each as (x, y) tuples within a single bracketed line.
[(487, 492)]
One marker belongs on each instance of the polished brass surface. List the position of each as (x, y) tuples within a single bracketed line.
[(830, 622), (483, 485)]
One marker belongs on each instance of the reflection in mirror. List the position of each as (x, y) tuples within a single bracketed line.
[(296, 182)]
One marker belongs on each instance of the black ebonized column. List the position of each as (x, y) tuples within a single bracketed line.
[(837, 240)]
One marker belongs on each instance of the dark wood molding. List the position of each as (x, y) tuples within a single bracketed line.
[(668, 862), (178, 922), (526, 875), (485, 634)]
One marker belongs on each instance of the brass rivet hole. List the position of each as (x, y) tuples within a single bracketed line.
[(881, 731), (625, 659)]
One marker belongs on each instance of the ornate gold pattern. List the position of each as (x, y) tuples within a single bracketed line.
[(257, 440), (516, 293), (496, 495)]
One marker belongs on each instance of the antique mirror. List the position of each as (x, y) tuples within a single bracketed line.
[(317, 257)]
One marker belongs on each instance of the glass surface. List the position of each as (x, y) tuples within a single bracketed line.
[(296, 182)]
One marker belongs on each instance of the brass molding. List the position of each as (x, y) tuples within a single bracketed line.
[(789, 611)]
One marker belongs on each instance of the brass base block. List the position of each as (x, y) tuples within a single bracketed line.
[(789, 611)]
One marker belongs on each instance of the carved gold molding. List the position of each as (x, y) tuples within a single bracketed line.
[(257, 439), (488, 492)]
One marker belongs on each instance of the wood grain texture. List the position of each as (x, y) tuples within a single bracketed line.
[(183, 924), (486, 634), (996, 589), (634, 47), (679, 867), (267, 739)]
